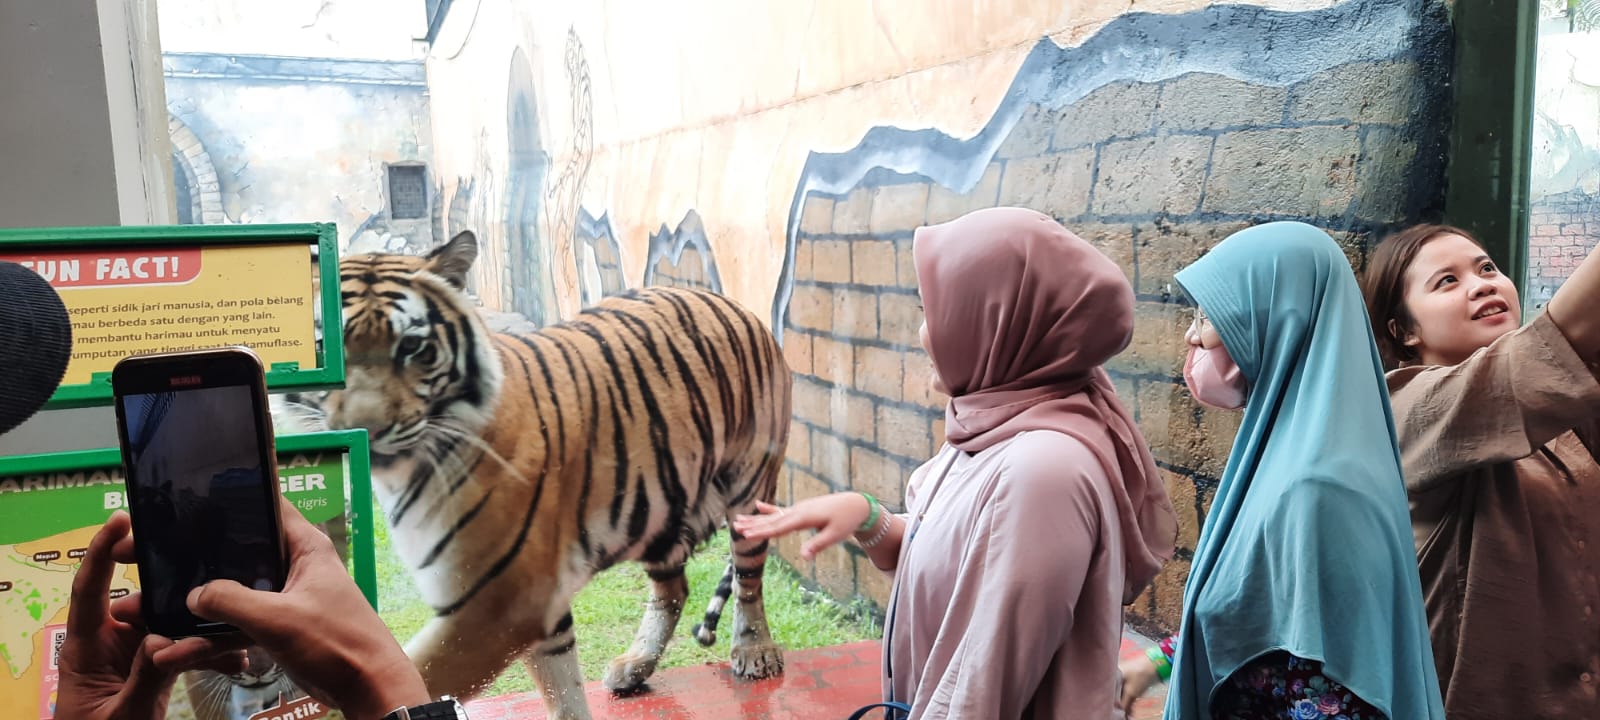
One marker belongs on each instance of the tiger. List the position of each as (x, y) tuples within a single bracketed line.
[(261, 685), (513, 468)]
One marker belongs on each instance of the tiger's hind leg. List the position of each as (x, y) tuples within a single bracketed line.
[(668, 592), (754, 655), (460, 660), (705, 631), (553, 663)]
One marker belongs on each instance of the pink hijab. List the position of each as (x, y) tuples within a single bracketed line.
[(1021, 315)]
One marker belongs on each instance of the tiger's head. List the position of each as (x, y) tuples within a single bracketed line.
[(419, 363)]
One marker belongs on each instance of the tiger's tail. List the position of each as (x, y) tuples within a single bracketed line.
[(705, 632)]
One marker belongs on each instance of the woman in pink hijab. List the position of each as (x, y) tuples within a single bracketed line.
[(1042, 514)]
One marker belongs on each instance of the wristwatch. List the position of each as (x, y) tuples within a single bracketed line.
[(445, 708)]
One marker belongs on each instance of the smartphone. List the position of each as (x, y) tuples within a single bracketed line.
[(202, 479)]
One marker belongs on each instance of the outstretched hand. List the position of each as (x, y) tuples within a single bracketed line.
[(834, 517), (1138, 676)]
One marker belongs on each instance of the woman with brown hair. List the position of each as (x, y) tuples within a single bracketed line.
[(1499, 428)]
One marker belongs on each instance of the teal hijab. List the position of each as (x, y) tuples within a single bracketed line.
[(1308, 545)]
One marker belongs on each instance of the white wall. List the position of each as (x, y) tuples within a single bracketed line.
[(368, 29), (80, 78)]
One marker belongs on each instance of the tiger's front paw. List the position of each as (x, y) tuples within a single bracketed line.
[(627, 672), (757, 660)]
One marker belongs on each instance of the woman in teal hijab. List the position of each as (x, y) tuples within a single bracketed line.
[(1303, 599)]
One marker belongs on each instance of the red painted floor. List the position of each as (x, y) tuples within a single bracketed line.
[(825, 683)]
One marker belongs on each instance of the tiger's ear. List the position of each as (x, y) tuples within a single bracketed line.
[(453, 259)]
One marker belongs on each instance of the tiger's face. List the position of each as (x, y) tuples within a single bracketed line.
[(419, 364)]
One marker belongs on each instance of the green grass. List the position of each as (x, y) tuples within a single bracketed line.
[(607, 611)]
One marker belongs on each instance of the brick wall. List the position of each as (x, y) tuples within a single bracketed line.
[(1562, 230), (597, 236), (611, 278), (688, 272), (682, 257), (865, 416), (1152, 174)]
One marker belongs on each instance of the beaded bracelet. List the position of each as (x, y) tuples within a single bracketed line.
[(872, 517), (1163, 666), (877, 537)]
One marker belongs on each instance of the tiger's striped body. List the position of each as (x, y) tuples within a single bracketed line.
[(513, 468)]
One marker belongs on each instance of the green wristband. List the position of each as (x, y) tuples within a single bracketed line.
[(872, 518), (1163, 666)]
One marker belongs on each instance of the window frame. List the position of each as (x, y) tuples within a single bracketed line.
[(1488, 172), (389, 173)]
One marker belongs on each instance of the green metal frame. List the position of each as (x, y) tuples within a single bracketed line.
[(1492, 139), (359, 480), (329, 372)]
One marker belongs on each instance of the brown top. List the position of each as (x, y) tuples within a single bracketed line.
[(1500, 463)]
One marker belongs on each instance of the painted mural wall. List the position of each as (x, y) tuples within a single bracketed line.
[(295, 111), (268, 139), (785, 152)]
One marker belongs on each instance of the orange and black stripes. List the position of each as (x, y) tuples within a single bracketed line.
[(513, 467), (685, 385)]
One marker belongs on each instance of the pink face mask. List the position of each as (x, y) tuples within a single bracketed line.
[(1213, 379)]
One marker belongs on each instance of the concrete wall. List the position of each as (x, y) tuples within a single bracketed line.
[(85, 157), (292, 112), (272, 139), (80, 146), (1153, 129), (368, 29)]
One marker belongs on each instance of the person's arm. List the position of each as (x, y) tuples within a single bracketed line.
[(834, 517), (881, 541), (1575, 308), (107, 660), (1017, 589), (1501, 404), (353, 664), (1143, 671)]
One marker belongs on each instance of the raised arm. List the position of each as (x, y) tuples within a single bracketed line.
[(1575, 308), (1501, 404)]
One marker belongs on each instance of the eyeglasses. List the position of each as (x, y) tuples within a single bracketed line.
[(1201, 322)]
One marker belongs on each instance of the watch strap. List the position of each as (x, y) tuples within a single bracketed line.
[(445, 708)]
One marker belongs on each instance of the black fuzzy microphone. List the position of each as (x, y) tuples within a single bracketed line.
[(35, 343)]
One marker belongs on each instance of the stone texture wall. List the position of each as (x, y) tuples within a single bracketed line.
[(1562, 230), (1150, 173)]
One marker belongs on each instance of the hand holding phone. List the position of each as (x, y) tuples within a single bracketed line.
[(202, 479), (110, 667), (354, 664)]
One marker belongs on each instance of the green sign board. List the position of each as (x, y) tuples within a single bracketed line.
[(155, 288)]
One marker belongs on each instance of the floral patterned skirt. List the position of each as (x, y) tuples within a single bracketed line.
[(1280, 686)]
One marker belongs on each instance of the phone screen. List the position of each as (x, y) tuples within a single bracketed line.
[(201, 497)]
